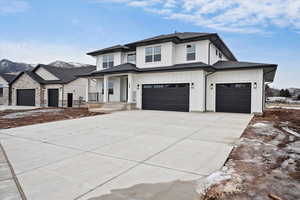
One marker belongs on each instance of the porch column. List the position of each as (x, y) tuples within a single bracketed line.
[(88, 89), (105, 89), (130, 88)]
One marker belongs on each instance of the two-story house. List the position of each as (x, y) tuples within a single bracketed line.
[(179, 72)]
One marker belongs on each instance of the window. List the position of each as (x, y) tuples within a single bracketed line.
[(110, 87), (153, 54), (1, 92), (131, 57), (108, 61), (220, 55), (190, 52)]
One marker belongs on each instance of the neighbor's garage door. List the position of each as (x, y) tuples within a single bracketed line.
[(26, 97), (233, 97), (171, 97)]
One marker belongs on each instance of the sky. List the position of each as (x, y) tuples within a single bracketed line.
[(267, 31)]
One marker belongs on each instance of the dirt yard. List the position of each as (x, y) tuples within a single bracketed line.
[(265, 165), (16, 118)]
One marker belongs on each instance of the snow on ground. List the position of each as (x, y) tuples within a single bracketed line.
[(285, 107), (291, 131), (30, 113)]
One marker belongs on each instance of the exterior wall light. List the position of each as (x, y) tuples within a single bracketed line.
[(254, 85), (138, 86), (211, 86), (192, 85)]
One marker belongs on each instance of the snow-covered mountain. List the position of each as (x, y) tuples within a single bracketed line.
[(7, 66), (64, 64)]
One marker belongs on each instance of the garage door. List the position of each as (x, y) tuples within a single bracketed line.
[(233, 97), (26, 97), (170, 97), (53, 97)]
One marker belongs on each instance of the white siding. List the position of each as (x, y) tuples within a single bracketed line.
[(237, 76), (46, 75), (166, 56), (201, 52), (118, 59), (213, 57), (196, 77)]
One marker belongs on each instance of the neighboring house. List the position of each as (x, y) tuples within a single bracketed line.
[(5, 92), (180, 72), (50, 86)]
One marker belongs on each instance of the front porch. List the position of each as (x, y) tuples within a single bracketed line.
[(111, 92)]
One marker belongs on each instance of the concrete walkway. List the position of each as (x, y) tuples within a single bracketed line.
[(9, 186), (88, 157)]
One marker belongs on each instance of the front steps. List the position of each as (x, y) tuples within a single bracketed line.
[(112, 107)]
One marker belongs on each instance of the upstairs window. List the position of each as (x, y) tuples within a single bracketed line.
[(108, 61), (131, 57), (153, 54), (190, 52)]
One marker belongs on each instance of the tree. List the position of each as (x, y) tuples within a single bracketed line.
[(287, 93), (282, 93), (298, 97)]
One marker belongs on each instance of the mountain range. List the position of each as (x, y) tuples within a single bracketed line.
[(8, 66)]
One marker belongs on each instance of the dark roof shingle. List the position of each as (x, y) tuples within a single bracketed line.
[(8, 77)]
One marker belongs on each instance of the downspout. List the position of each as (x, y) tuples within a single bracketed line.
[(205, 90), (206, 75), (264, 89), (208, 59)]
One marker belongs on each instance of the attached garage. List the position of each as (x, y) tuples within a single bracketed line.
[(26, 97), (53, 97), (233, 97), (169, 97)]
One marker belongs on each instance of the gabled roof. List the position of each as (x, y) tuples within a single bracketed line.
[(65, 75), (8, 77), (178, 37)]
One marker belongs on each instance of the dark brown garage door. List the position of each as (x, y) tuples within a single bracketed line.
[(170, 97), (53, 97), (26, 97), (233, 97)]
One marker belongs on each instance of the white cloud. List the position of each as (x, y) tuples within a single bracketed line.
[(13, 6), (40, 52), (227, 15)]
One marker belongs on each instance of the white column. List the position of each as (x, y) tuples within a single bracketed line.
[(130, 88), (105, 88), (88, 89)]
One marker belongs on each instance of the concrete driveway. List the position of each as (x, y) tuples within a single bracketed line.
[(87, 157)]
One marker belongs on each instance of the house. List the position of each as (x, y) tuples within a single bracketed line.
[(5, 92), (50, 86), (188, 71)]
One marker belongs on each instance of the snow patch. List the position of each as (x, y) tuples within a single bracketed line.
[(260, 125), (291, 131)]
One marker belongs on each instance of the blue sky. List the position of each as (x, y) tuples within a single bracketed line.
[(37, 31)]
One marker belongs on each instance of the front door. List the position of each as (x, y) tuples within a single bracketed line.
[(70, 99), (53, 97)]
